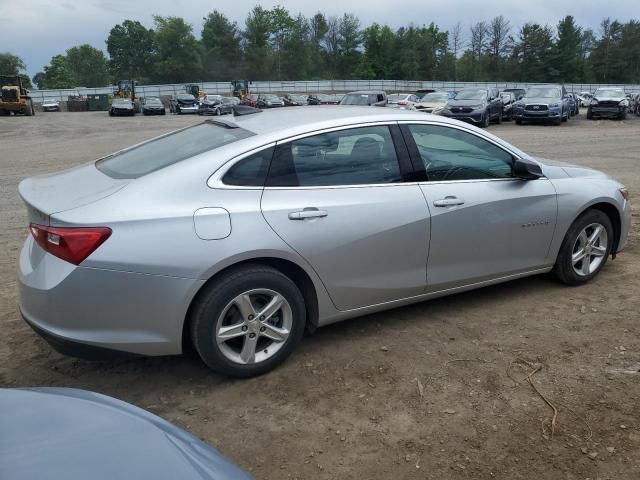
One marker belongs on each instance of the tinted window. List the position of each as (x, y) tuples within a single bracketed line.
[(251, 171), (164, 151), (452, 154), (357, 156)]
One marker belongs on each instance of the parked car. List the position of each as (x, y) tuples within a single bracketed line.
[(421, 92), (323, 99), (183, 103), (215, 105), (122, 106), (333, 99), (585, 98), (251, 100), (476, 105), (508, 99), (404, 101), (608, 102), (80, 434), (545, 103), (153, 106), (518, 92), (50, 106), (574, 104), (294, 100), (269, 100), (433, 102), (245, 232), (375, 98)]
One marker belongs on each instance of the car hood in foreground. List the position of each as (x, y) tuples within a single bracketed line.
[(569, 169), (63, 433)]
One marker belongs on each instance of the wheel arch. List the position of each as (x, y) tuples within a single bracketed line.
[(611, 211), (287, 267)]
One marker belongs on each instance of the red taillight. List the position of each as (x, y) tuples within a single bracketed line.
[(70, 244)]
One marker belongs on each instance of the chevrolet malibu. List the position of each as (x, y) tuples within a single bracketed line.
[(235, 235)]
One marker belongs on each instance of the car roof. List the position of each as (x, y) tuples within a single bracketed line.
[(363, 92)]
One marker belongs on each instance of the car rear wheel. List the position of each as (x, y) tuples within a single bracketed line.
[(248, 321), (585, 248), (484, 123), (589, 114)]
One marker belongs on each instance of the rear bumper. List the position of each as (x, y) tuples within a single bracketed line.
[(80, 309)]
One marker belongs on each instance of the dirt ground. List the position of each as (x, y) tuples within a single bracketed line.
[(421, 392)]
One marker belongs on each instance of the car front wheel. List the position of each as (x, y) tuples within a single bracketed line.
[(248, 321), (585, 248)]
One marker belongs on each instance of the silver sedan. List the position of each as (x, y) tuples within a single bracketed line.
[(237, 234)]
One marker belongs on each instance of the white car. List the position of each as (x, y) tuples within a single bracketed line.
[(50, 106), (403, 101), (433, 102)]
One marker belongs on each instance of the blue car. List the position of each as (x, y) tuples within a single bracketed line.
[(70, 434), (545, 103), (574, 104)]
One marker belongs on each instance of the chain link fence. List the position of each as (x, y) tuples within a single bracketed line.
[(307, 86)]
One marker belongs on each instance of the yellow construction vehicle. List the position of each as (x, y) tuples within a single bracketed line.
[(195, 91), (127, 89), (240, 88), (14, 97)]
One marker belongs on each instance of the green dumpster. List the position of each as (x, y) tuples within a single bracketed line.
[(99, 102)]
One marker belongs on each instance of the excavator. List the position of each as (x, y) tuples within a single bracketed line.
[(14, 97), (240, 88)]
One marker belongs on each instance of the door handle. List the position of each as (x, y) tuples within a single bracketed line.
[(448, 201), (309, 212)]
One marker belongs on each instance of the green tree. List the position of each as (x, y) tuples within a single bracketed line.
[(222, 55), (532, 54), (39, 79), (57, 74), (87, 66), (566, 61), (379, 58), (132, 49), (297, 50), (281, 28), (349, 41), (178, 58), (10, 64), (607, 57), (257, 51), (317, 30)]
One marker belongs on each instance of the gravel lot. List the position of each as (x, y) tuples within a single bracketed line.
[(348, 403)]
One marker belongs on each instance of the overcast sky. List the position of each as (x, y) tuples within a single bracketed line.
[(36, 30)]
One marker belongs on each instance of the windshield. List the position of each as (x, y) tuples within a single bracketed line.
[(186, 96), (398, 97), (358, 99), (435, 97), (543, 92), (152, 101), (271, 97), (471, 95), (169, 149), (609, 92)]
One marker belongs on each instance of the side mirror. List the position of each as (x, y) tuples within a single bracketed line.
[(526, 170)]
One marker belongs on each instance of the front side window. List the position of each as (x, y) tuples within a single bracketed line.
[(251, 171), (357, 156), (169, 149), (452, 154)]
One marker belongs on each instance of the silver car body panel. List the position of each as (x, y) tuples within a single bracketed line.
[(379, 246)]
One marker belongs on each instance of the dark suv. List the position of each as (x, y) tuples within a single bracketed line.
[(608, 102), (475, 105)]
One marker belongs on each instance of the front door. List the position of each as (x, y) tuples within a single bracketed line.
[(339, 200), (485, 223)]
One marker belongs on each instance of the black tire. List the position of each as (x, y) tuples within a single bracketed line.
[(563, 269), (564, 118), (518, 121), (484, 123), (623, 115), (28, 108), (500, 118), (111, 113), (212, 301), (164, 112), (589, 114)]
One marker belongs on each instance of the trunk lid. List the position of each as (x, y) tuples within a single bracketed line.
[(45, 195)]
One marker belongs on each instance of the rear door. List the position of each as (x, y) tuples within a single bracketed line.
[(340, 199), (485, 223)]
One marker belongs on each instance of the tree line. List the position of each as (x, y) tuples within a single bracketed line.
[(273, 44)]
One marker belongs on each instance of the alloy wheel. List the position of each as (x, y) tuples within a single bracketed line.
[(254, 326), (589, 249)]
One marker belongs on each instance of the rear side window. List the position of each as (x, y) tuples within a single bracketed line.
[(356, 156), (251, 171), (173, 148)]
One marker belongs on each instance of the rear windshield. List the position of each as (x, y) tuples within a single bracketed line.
[(170, 149)]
